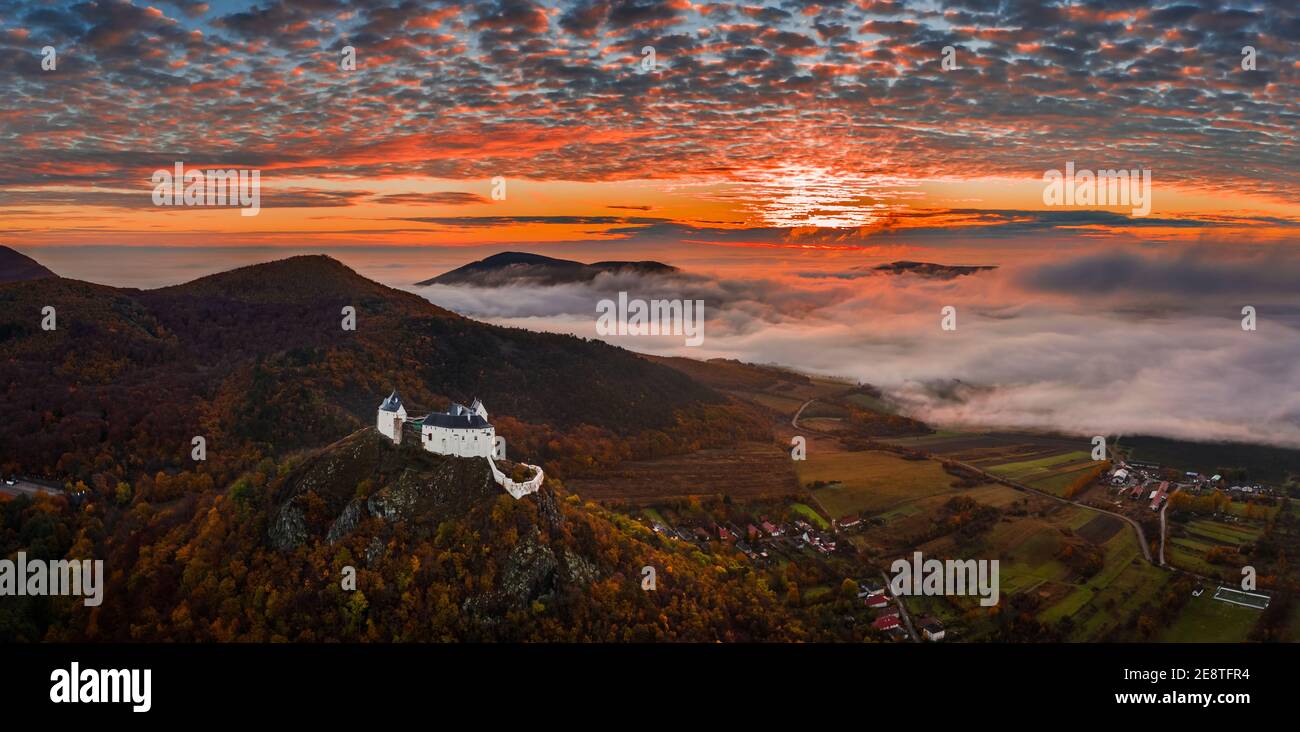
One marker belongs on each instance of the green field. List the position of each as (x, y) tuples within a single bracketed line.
[(654, 516), (1188, 543), (1206, 620), (1027, 469), (808, 512), (1052, 473)]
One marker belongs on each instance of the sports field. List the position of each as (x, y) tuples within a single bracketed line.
[(1237, 597)]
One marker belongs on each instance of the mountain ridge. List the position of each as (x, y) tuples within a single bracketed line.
[(508, 267), (18, 267)]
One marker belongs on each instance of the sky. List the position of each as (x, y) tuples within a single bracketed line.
[(774, 151)]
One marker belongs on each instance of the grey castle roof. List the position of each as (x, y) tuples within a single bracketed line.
[(392, 403), (458, 417)]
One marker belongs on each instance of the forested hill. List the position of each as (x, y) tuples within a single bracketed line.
[(438, 552), (257, 361), (249, 543), (510, 268)]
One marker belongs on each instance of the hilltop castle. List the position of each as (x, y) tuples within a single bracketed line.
[(460, 431)]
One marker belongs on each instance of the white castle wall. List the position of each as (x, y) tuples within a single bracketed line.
[(458, 442), (518, 490)]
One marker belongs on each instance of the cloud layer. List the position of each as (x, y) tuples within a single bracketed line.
[(1108, 343)]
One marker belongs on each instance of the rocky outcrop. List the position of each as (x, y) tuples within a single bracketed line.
[(289, 529), (403, 484)]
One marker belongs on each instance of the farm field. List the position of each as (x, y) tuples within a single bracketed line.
[(1206, 620), (823, 424), (869, 480), (1027, 471), (1046, 462), (1028, 547), (779, 403), (993, 448), (809, 513), (1053, 474), (749, 470), (1189, 541), (905, 521)]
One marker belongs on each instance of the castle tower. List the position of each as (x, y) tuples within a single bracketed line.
[(478, 408), (391, 417)]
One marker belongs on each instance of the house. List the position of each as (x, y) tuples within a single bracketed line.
[(771, 529), (852, 523), (1120, 477), (931, 629), (886, 623), (723, 534), (752, 532), (869, 588), (877, 601), (701, 534)]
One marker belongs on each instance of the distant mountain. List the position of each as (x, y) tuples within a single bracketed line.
[(18, 267), (929, 269), (512, 267)]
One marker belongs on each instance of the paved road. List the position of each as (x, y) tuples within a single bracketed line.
[(25, 488), (794, 421), (1163, 530), (902, 609)]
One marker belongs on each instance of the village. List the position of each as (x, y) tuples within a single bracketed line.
[(770, 541), (1136, 483)]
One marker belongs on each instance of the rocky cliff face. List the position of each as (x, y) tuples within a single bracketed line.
[(364, 487), (366, 475)]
